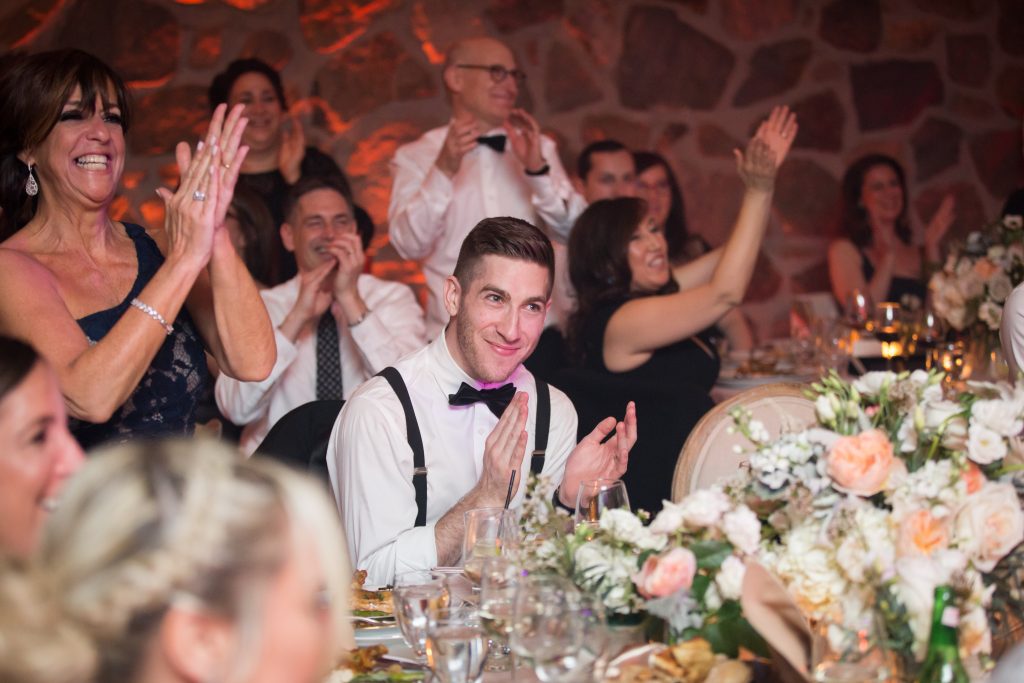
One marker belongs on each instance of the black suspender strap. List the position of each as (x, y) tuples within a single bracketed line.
[(543, 425), (412, 429)]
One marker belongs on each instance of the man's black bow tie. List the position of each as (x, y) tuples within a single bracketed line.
[(496, 399), (495, 142)]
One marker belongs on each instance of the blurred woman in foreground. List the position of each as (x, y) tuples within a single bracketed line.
[(36, 450), (182, 562)]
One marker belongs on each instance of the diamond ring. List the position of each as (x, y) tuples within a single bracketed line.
[(199, 196)]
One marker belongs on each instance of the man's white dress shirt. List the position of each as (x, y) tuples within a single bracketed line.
[(392, 328), (370, 461), (1011, 331), (431, 214)]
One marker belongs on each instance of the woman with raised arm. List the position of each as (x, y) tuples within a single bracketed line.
[(637, 315), (876, 254), (122, 315)]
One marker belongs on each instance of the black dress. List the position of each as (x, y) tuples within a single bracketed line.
[(671, 391), (273, 188), (908, 292), (164, 402)]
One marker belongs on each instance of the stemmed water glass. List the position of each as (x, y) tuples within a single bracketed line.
[(415, 595), (456, 644), (595, 497), (546, 629), (490, 532), (499, 579), (887, 329), (931, 332)]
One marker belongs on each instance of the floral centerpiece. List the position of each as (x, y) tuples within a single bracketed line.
[(969, 291), (686, 566), (896, 488)]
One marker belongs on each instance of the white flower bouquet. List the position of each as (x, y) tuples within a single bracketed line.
[(969, 291), (896, 489)]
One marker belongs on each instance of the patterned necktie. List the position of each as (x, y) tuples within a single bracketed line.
[(495, 142), (496, 399), (328, 359)]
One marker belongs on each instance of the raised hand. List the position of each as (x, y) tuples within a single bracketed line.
[(941, 221), (460, 140), (191, 211), (592, 459), (292, 149), (347, 249), (778, 131), (523, 133), (314, 291), (504, 451), (757, 165)]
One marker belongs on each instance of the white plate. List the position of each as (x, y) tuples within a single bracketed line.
[(379, 635)]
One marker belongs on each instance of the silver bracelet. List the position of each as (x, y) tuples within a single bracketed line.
[(154, 314)]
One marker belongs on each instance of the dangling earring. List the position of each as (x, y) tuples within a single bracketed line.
[(31, 186)]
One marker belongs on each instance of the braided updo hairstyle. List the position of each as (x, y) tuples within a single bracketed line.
[(144, 526)]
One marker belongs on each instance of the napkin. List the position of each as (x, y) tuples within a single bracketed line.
[(771, 610)]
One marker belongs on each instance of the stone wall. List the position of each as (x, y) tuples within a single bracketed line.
[(937, 83)]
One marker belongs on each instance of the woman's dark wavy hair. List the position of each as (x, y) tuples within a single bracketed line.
[(599, 262), (16, 360), (677, 234), (33, 90), (856, 224), (222, 83)]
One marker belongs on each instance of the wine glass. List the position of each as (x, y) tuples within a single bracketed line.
[(857, 310), (499, 578), (596, 496), (930, 332), (545, 624), (587, 662), (490, 532), (415, 594), (887, 328), (456, 644)]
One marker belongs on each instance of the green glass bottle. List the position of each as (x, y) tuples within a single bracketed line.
[(942, 663)]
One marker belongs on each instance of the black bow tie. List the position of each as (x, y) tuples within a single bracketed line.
[(496, 399), (495, 142)]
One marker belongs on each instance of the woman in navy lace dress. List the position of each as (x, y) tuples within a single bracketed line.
[(123, 315)]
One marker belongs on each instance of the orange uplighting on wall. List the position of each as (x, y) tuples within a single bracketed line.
[(421, 29)]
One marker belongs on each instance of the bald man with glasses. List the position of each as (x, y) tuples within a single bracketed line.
[(490, 160)]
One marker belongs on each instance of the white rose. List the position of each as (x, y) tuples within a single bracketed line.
[(1013, 222), (823, 406), (984, 446), (704, 508), (730, 578), (917, 578), (669, 520), (871, 383), (623, 525), (990, 524), (945, 415), (1002, 417), (907, 435), (991, 314), (999, 287), (743, 529)]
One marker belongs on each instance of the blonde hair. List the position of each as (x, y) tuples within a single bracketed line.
[(36, 644), (146, 525)]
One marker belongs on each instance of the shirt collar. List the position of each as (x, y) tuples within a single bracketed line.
[(450, 376)]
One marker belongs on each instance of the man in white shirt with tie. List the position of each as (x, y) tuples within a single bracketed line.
[(497, 299), (448, 180), (334, 325)]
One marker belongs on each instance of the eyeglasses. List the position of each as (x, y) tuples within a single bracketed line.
[(498, 72)]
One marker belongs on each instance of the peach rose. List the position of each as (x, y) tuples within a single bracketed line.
[(861, 464), (973, 477), (664, 574), (989, 524), (921, 533)]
